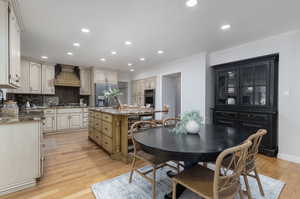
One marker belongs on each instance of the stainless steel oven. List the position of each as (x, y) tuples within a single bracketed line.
[(149, 95)]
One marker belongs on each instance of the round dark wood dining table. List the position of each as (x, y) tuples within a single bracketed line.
[(202, 147), (190, 148)]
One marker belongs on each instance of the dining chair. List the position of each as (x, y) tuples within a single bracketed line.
[(250, 169), (138, 153), (223, 182), (170, 121)]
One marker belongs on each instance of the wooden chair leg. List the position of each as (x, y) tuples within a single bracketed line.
[(259, 183), (154, 183), (247, 186), (132, 169), (174, 190)]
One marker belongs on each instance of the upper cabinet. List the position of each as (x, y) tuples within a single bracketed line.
[(35, 78), (104, 76), (48, 77), (139, 87), (85, 81), (10, 55), (248, 85)]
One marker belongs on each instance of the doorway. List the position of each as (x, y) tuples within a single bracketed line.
[(171, 94)]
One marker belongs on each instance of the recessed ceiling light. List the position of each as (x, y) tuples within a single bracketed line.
[(160, 52), (113, 52), (85, 30), (70, 53), (103, 59), (142, 59), (44, 57), (191, 3), (132, 70), (129, 64), (226, 27), (76, 44), (128, 43)]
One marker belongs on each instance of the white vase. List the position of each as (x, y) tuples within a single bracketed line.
[(192, 127)]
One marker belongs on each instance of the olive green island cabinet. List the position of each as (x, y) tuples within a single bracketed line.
[(109, 127)]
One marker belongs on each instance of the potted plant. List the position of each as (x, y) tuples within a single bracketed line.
[(190, 123), (113, 93)]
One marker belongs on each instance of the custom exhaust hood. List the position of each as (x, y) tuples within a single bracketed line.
[(66, 75)]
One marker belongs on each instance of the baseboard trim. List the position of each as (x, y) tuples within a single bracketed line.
[(17, 187), (291, 158)]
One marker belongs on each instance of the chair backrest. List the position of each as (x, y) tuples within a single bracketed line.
[(253, 150), (135, 127), (227, 178), (170, 121)]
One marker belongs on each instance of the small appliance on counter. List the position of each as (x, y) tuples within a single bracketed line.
[(10, 107)]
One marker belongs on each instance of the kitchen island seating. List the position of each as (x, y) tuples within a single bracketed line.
[(155, 161), (250, 167), (221, 183)]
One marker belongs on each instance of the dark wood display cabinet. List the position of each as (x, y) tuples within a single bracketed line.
[(246, 96)]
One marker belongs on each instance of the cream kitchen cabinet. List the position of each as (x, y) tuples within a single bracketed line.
[(69, 118), (24, 80), (75, 121), (99, 76), (85, 81), (48, 76), (63, 121), (21, 155), (112, 77), (105, 76), (139, 87), (10, 55), (35, 78), (50, 120)]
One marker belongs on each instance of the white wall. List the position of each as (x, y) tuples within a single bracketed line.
[(288, 47), (193, 83)]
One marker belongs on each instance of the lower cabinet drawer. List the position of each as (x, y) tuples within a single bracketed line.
[(107, 129), (98, 137), (98, 115), (97, 125), (107, 143), (224, 122), (106, 117)]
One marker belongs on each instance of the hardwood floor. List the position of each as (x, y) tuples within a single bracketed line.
[(73, 163)]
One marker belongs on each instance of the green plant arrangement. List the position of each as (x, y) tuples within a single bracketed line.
[(190, 123), (113, 93)]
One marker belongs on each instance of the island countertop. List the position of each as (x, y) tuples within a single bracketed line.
[(113, 111), (21, 117)]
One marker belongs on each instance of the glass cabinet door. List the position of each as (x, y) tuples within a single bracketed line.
[(261, 83), (227, 87), (254, 84)]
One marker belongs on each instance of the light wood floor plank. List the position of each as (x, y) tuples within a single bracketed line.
[(75, 163)]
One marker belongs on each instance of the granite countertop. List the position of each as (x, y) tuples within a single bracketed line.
[(124, 112), (21, 117), (56, 107)]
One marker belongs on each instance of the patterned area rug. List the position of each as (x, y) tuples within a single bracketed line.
[(140, 188)]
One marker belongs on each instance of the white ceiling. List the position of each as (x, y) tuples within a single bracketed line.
[(51, 27)]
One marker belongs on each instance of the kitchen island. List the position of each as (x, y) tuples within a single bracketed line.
[(109, 127)]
